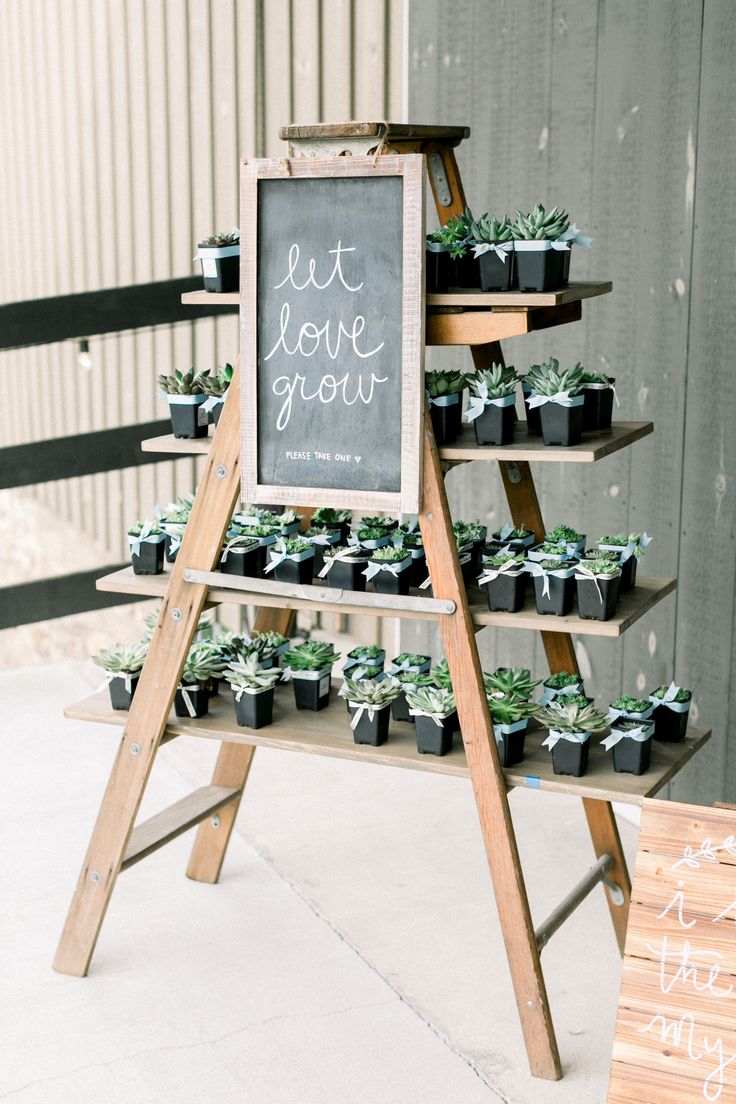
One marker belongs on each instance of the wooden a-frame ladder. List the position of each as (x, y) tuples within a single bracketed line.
[(111, 848)]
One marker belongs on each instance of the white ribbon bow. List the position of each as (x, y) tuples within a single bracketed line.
[(535, 569), (586, 573), (126, 676), (344, 555), (562, 398), (572, 234), (501, 249), (230, 545), (211, 402), (360, 708), (438, 718), (279, 554), (136, 542), (490, 574), (393, 568), (187, 700), (555, 735), (550, 693), (639, 734)]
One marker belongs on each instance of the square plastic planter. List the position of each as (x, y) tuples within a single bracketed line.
[(150, 559), (495, 426), (496, 274), (551, 693), (254, 708), (538, 266), (446, 273), (632, 756), (562, 425), (670, 725), (510, 742), (533, 419), (446, 413), (400, 709), (220, 267), (367, 731), (591, 607), (199, 698), (435, 739), (597, 405), (291, 570), (385, 582), (169, 555), (418, 569), (120, 698), (346, 575), (188, 420), (628, 567), (561, 593), (507, 592), (245, 563), (570, 758), (312, 689)]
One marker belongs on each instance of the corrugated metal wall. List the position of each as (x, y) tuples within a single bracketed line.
[(622, 112), (121, 126)]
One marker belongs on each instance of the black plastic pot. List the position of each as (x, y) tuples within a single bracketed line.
[(254, 710), (387, 583), (185, 420), (495, 274), (446, 421), (533, 419), (227, 273), (561, 595), (507, 592), (312, 693), (593, 608), (216, 412), (538, 270), (294, 571), (199, 698), (150, 559), (477, 551), (570, 758), (120, 698), (170, 556), (446, 273), (669, 727), (434, 739), (632, 756), (264, 558), (373, 732), (400, 709), (418, 570), (510, 746), (346, 576), (246, 564), (597, 408), (561, 425), (628, 570), (495, 426)]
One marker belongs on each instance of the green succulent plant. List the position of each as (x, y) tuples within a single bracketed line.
[(380, 522), (217, 384), (262, 530), (246, 673), (495, 382), (123, 659), (414, 678), (144, 529), (511, 682), (205, 661), (489, 228), (367, 532), (564, 533), (312, 655), (435, 700), (548, 379), (505, 711), (602, 565), (367, 651), (444, 383), (184, 383), (562, 679), (440, 675), (454, 235), (502, 558), (233, 238), (554, 565), (326, 515), (389, 554), (370, 691), (571, 717), (540, 225), (292, 546), (513, 534), (411, 659), (682, 694), (594, 377), (630, 705)]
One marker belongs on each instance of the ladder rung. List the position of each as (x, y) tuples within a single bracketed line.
[(597, 873), (179, 817)]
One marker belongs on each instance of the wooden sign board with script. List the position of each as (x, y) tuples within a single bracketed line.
[(332, 331), (676, 1027)]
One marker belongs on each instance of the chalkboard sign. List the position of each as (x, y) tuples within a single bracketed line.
[(676, 1028), (332, 331)]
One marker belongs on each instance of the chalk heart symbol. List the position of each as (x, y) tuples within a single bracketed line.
[(358, 459)]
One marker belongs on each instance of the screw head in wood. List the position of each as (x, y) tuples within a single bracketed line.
[(94, 877), (135, 749), (176, 614), (215, 821), (220, 471)]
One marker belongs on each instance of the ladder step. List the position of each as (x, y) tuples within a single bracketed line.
[(179, 817)]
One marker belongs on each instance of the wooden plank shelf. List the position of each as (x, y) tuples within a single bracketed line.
[(328, 733), (633, 605), (594, 446)]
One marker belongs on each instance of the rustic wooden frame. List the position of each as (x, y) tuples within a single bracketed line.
[(410, 168)]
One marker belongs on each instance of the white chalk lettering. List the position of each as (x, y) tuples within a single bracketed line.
[(310, 333), (311, 267), (326, 391)]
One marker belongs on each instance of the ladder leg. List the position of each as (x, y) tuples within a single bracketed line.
[(485, 771), (180, 611), (606, 840), (231, 770)]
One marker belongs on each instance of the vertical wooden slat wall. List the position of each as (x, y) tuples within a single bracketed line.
[(121, 126), (623, 113)]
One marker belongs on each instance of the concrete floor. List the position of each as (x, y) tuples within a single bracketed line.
[(349, 954)]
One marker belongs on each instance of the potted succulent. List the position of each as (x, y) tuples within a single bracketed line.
[(271, 646), (598, 579), (343, 567), (444, 392), (369, 705), (215, 388), (252, 687), (241, 553), (539, 267), (510, 717), (338, 520), (630, 709), (408, 680), (560, 685), (185, 394), (629, 549), (370, 537), (514, 539), (632, 745), (220, 257), (266, 535), (173, 524), (511, 682), (440, 676), (492, 408), (554, 585), (320, 537), (533, 415), (494, 252), (559, 396), (309, 666), (413, 544), (549, 550), (146, 542), (435, 715), (671, 710), (450, 265), (504, 577), (388, 570), (122, 665), (570, 724), (598, 395), (470, 537), (362, 660), (203, 665), (292, 560), (567, 535), (380, 521), (410, 661)]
